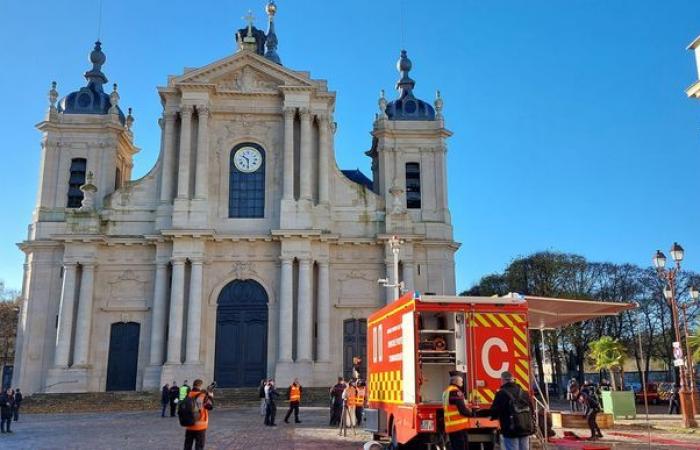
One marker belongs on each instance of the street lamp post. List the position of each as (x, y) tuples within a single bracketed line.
[(669, 276)]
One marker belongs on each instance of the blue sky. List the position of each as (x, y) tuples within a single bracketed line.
[(572, 131)]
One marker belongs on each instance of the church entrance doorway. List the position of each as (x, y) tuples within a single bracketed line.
[(123, 359), (354, 345), (240, 358)]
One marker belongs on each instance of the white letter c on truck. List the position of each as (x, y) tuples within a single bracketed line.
[(493, 342)]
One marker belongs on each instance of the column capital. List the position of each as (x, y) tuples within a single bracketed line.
[(178, 260), (322, 117), (186, 110), (323, 262), (286, 259), (169, 115), (90, 265), (289, 112), (196, 260), (203, 111), (70, 264), (305, 260), (304, 113)]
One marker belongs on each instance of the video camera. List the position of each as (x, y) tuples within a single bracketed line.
[(211, 387)]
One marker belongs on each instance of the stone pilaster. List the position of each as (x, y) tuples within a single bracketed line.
[(65, 319), (304, 312), (83, 326), (286, 311), (177, 300), (288, 192), (202, 170), (183, 177), (168, 167), (323, 158), (324, 311), (305, 175), (194, 313), (158, 314)]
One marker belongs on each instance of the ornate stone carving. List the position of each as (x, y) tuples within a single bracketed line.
[(127, 291), (357, 287), (242, 270), (248, 80)]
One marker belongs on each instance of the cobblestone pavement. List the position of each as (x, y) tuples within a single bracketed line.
[(228, 429)]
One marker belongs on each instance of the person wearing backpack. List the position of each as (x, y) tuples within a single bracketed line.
[(193, 413), (513, 408)]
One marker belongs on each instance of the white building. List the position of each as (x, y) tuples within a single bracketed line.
[(245, 251)]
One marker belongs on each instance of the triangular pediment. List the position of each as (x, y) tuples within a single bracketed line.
[(244, 72)]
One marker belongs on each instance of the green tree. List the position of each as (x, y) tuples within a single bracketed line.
[(608, 354)]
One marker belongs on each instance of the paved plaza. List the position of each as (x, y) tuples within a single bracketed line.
[(228, 429), (242, 428)]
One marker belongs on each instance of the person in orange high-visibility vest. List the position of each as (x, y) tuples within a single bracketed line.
[(350, 398), (196, 434), (294, 400), (360, 400), (456, 413)]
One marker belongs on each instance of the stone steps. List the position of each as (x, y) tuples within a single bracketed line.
[(141, 401)]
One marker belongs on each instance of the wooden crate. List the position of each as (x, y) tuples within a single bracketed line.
[(562, 419)]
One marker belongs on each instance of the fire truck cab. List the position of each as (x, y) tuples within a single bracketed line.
[(417, 342)]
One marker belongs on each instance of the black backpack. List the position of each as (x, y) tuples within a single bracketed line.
[(189, 411), (522, 421)]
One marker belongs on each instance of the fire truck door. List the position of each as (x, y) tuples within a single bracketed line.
[(499, 343)]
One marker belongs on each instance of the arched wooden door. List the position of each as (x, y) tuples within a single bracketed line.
[(123, 360), (241, 334)]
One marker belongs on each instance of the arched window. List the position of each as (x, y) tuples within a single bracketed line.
[(413, 185), (246, 196), (76, 179)]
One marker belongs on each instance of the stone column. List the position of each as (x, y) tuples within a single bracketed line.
[(286, 309), (194, 313), (158, 313), (288, 193), (408, 276), (83, 326), (202, 171), (65, 316), (305, 175), (323, 157), (324, 312), (168, 165), (183, 177), (305, 313), (177, 300)]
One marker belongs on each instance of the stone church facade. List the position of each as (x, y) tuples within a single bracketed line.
[(245, 252)]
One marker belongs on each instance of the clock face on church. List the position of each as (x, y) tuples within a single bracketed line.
[(247, 159)]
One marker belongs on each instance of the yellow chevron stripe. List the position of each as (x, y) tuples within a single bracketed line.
[(524, 363), (483, 321), (522, 374), (489, 394), (494, 319), (507, 320), (519, 318), (520, 346), (519, 331)]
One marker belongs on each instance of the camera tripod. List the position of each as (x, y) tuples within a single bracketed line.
[(344, 418)]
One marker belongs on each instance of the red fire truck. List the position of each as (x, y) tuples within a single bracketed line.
[(415, 343)]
